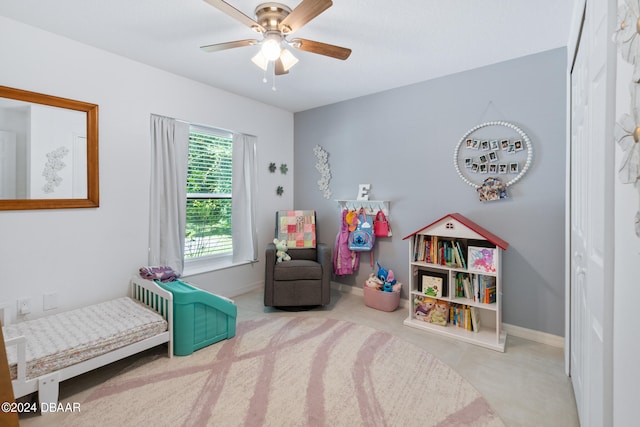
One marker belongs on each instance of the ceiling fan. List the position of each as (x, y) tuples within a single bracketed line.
[(276, 22)]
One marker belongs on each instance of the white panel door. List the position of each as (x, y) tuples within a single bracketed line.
[(591, 216)]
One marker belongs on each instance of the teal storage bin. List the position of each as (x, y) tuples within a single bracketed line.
[(199, 317)]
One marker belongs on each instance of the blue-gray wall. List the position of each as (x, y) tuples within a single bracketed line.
[(401, 142)]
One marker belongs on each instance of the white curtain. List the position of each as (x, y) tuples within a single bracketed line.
[(167, 217), (245, 242)]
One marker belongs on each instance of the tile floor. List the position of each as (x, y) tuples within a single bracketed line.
[(526, 385)]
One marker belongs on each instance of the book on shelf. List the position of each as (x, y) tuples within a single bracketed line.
[(465, 317), (431, 310), (464, 287), (475, 288), (433, 283), (460, 316), (482, 260), (490, 295), (435, 250), (475, 319), (456, 253), (459, 285), (460, 252), (486, 289)]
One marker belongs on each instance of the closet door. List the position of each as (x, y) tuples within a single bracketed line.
[(591, 216)]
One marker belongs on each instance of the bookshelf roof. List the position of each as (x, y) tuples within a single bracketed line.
[(486, 234)]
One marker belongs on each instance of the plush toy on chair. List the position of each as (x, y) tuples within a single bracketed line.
[(281, 250)]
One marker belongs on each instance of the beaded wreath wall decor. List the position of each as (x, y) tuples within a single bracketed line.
[(485, 157)]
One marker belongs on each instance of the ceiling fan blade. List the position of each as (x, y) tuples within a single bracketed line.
[(321, 48), (303, 13), (228, 45), (236, 14), (279, 68)]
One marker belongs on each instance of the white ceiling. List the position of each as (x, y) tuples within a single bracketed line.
[(394, 43)]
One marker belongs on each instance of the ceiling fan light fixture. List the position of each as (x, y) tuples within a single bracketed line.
[(260, 60), (276, 21), (271, 48), (287, 59)]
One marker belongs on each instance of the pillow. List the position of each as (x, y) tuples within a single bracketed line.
[(161, 272), (297, 228)]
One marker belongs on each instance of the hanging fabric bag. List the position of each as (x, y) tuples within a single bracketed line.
[(381, 226), (362, 238)]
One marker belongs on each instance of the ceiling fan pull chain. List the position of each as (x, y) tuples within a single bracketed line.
[(273, 87)]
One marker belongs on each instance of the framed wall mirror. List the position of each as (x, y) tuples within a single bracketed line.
[(48, 152)]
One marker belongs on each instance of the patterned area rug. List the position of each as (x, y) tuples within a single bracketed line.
[(291, 371)]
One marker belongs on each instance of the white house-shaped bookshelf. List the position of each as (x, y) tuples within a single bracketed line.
[(455, 281)]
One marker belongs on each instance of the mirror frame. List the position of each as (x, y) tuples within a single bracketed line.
[(93, 189)]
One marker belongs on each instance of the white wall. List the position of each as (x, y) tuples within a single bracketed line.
[(87, 255)]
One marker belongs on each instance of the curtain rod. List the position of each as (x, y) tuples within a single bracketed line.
[(203, 126)]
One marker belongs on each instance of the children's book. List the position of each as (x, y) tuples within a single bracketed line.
[(431, 310), (461, 254), (440, 313), (432, 286), (475, 319), (490, 295), (482, 260)]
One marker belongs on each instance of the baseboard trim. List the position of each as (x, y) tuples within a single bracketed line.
[(533, 335), (516, 331), (233, 290), (347, 289)]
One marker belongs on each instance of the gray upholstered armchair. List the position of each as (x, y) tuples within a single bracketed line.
[(305, 280)]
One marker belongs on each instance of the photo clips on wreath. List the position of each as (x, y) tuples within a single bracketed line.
[(491, 157)]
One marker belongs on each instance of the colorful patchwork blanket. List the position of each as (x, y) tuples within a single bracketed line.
[(297, 228)]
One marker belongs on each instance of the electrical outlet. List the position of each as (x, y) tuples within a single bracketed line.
[(24, 306)]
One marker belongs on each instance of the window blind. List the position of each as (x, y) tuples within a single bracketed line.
[(209, 202)]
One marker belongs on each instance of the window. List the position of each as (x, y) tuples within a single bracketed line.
[(209, 214), (190, 216)]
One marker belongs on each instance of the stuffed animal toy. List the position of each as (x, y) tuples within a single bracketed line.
[(373, 282), (281, 250), (382, 272), (387, 278)]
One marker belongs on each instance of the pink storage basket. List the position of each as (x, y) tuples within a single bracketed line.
[(380, 300)]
